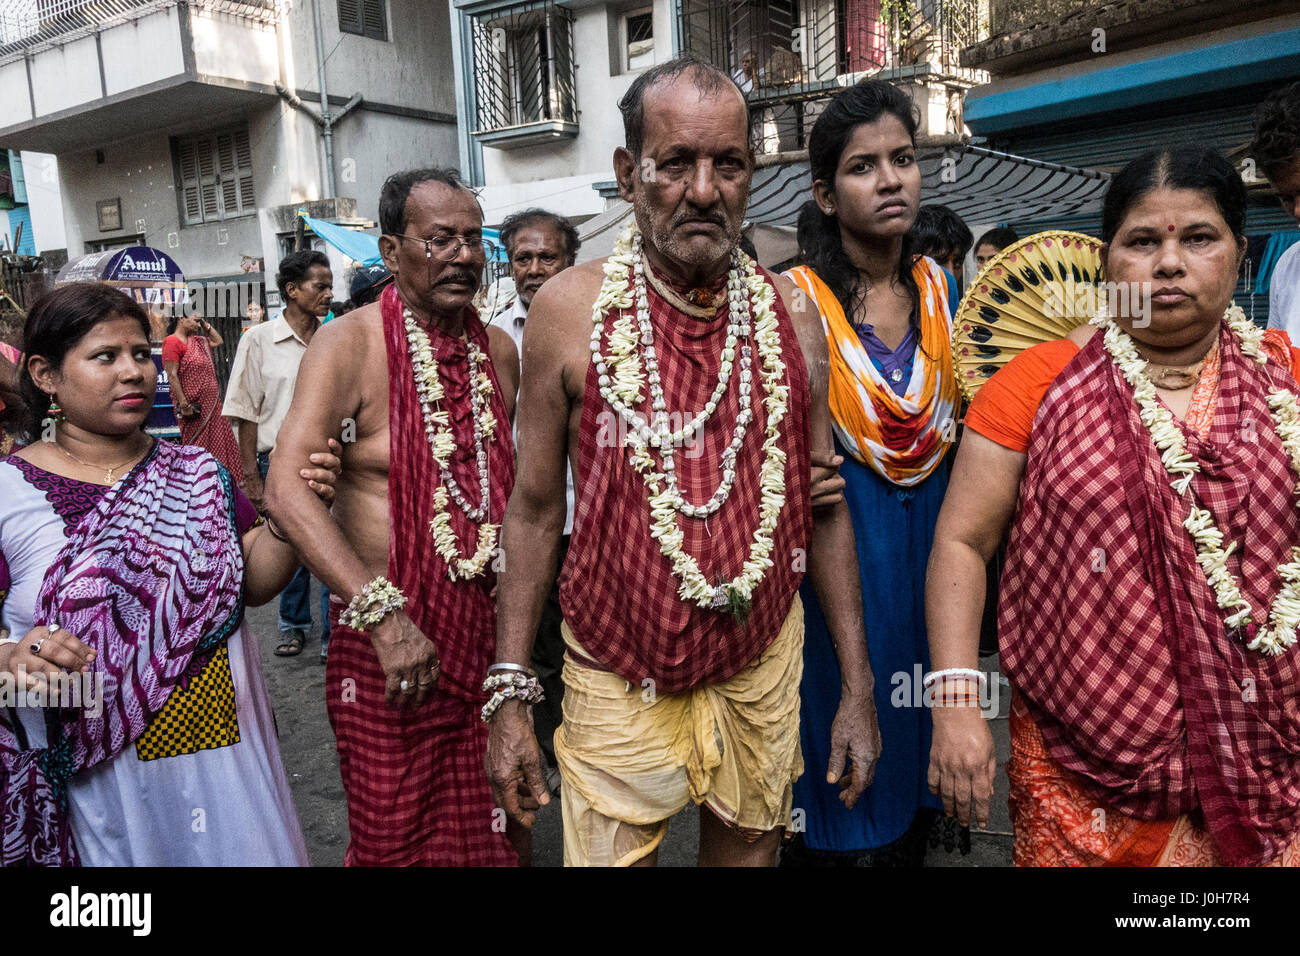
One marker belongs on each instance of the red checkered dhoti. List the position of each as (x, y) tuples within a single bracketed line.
[(417, 791)]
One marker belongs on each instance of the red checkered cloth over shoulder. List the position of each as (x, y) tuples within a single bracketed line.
[(617, 590), (1110, 630), (458, 616)]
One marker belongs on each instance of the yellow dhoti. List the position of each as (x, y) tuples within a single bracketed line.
[(631, 758)]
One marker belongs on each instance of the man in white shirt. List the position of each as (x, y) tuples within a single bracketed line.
[(1276, 151), (258, 396), (539, 245)]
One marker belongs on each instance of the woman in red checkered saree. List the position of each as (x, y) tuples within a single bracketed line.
[(1147, 467)]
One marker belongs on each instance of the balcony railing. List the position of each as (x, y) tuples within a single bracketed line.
[(786, 51), (28, 26), (524, 75)]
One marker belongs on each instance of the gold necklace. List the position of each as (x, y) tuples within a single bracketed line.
[(108, 473)]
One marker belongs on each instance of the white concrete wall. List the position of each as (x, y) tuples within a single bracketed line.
[(15, 103), (412, 68), (41, 171), (234, 49), (136, 53), (558, 176), (369, 147), (67, 76)]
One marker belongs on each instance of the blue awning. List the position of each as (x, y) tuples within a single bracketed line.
[(1261, 59)]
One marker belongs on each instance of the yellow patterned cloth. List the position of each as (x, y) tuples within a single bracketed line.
[(199, 717), (630, 759)]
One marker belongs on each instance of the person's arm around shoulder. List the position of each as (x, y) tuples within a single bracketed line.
[(833, 572), (328, 391), (558, 327), (505, 359)]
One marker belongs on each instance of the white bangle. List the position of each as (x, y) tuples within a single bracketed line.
[(968, 672), (504, 666)]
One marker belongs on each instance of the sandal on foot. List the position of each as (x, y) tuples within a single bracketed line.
[(292, 645)]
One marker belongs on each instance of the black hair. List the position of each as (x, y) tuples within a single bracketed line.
[(55, 324), (818, 233), (940, 233), (1277, 130), (295, 266), (397, 190), (1186, 166), (174, 321), (531, 217), (708, 79), (999, 238)]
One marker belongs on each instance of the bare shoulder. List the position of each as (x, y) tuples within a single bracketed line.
[(559, 317), (502, 348), (574, 288), (1080, 335)]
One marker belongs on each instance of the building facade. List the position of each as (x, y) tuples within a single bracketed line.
[(195, 127), (539, 82)]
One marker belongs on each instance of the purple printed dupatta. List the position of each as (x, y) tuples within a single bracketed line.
[(151, 578)]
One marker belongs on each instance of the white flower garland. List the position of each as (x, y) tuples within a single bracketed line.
[(621, 376), (1279, 632), (442, 443)]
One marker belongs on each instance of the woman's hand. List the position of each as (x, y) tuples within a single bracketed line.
[(325, 470), (963, 762), (44, 652)]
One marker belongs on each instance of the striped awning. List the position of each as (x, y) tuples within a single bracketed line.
[(980, 185)]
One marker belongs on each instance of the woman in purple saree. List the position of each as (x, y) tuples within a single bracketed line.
[(127, 565)]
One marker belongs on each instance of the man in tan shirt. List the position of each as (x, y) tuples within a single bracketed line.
[(258, 398)]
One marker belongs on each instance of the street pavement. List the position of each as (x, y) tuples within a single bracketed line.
[(297, 688)]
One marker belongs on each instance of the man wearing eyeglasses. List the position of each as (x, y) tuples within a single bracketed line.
[(540, 245), (422, 396)]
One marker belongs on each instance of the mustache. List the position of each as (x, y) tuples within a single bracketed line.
[(459, 275), (716, 219)]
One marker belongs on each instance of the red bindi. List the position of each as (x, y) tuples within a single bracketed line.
[(1171, 227)]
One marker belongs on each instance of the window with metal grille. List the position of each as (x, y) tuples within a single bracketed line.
[(214, 176), (523, 66), (640, 29), (366, 18)]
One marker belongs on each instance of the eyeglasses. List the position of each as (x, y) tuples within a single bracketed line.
[(447, 248)]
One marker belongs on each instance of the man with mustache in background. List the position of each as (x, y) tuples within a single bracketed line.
[(422, 396)]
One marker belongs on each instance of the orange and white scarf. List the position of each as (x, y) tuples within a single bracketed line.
[(903, 437)]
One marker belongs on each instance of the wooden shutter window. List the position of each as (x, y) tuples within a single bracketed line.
[(374, 23), (350, 16), (215, 172)]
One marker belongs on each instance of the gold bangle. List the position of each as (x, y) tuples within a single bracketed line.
[(276, 533)]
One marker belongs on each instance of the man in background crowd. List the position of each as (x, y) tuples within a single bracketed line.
[(367, 284), (539, 245), (262, 378), (941, 235)]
